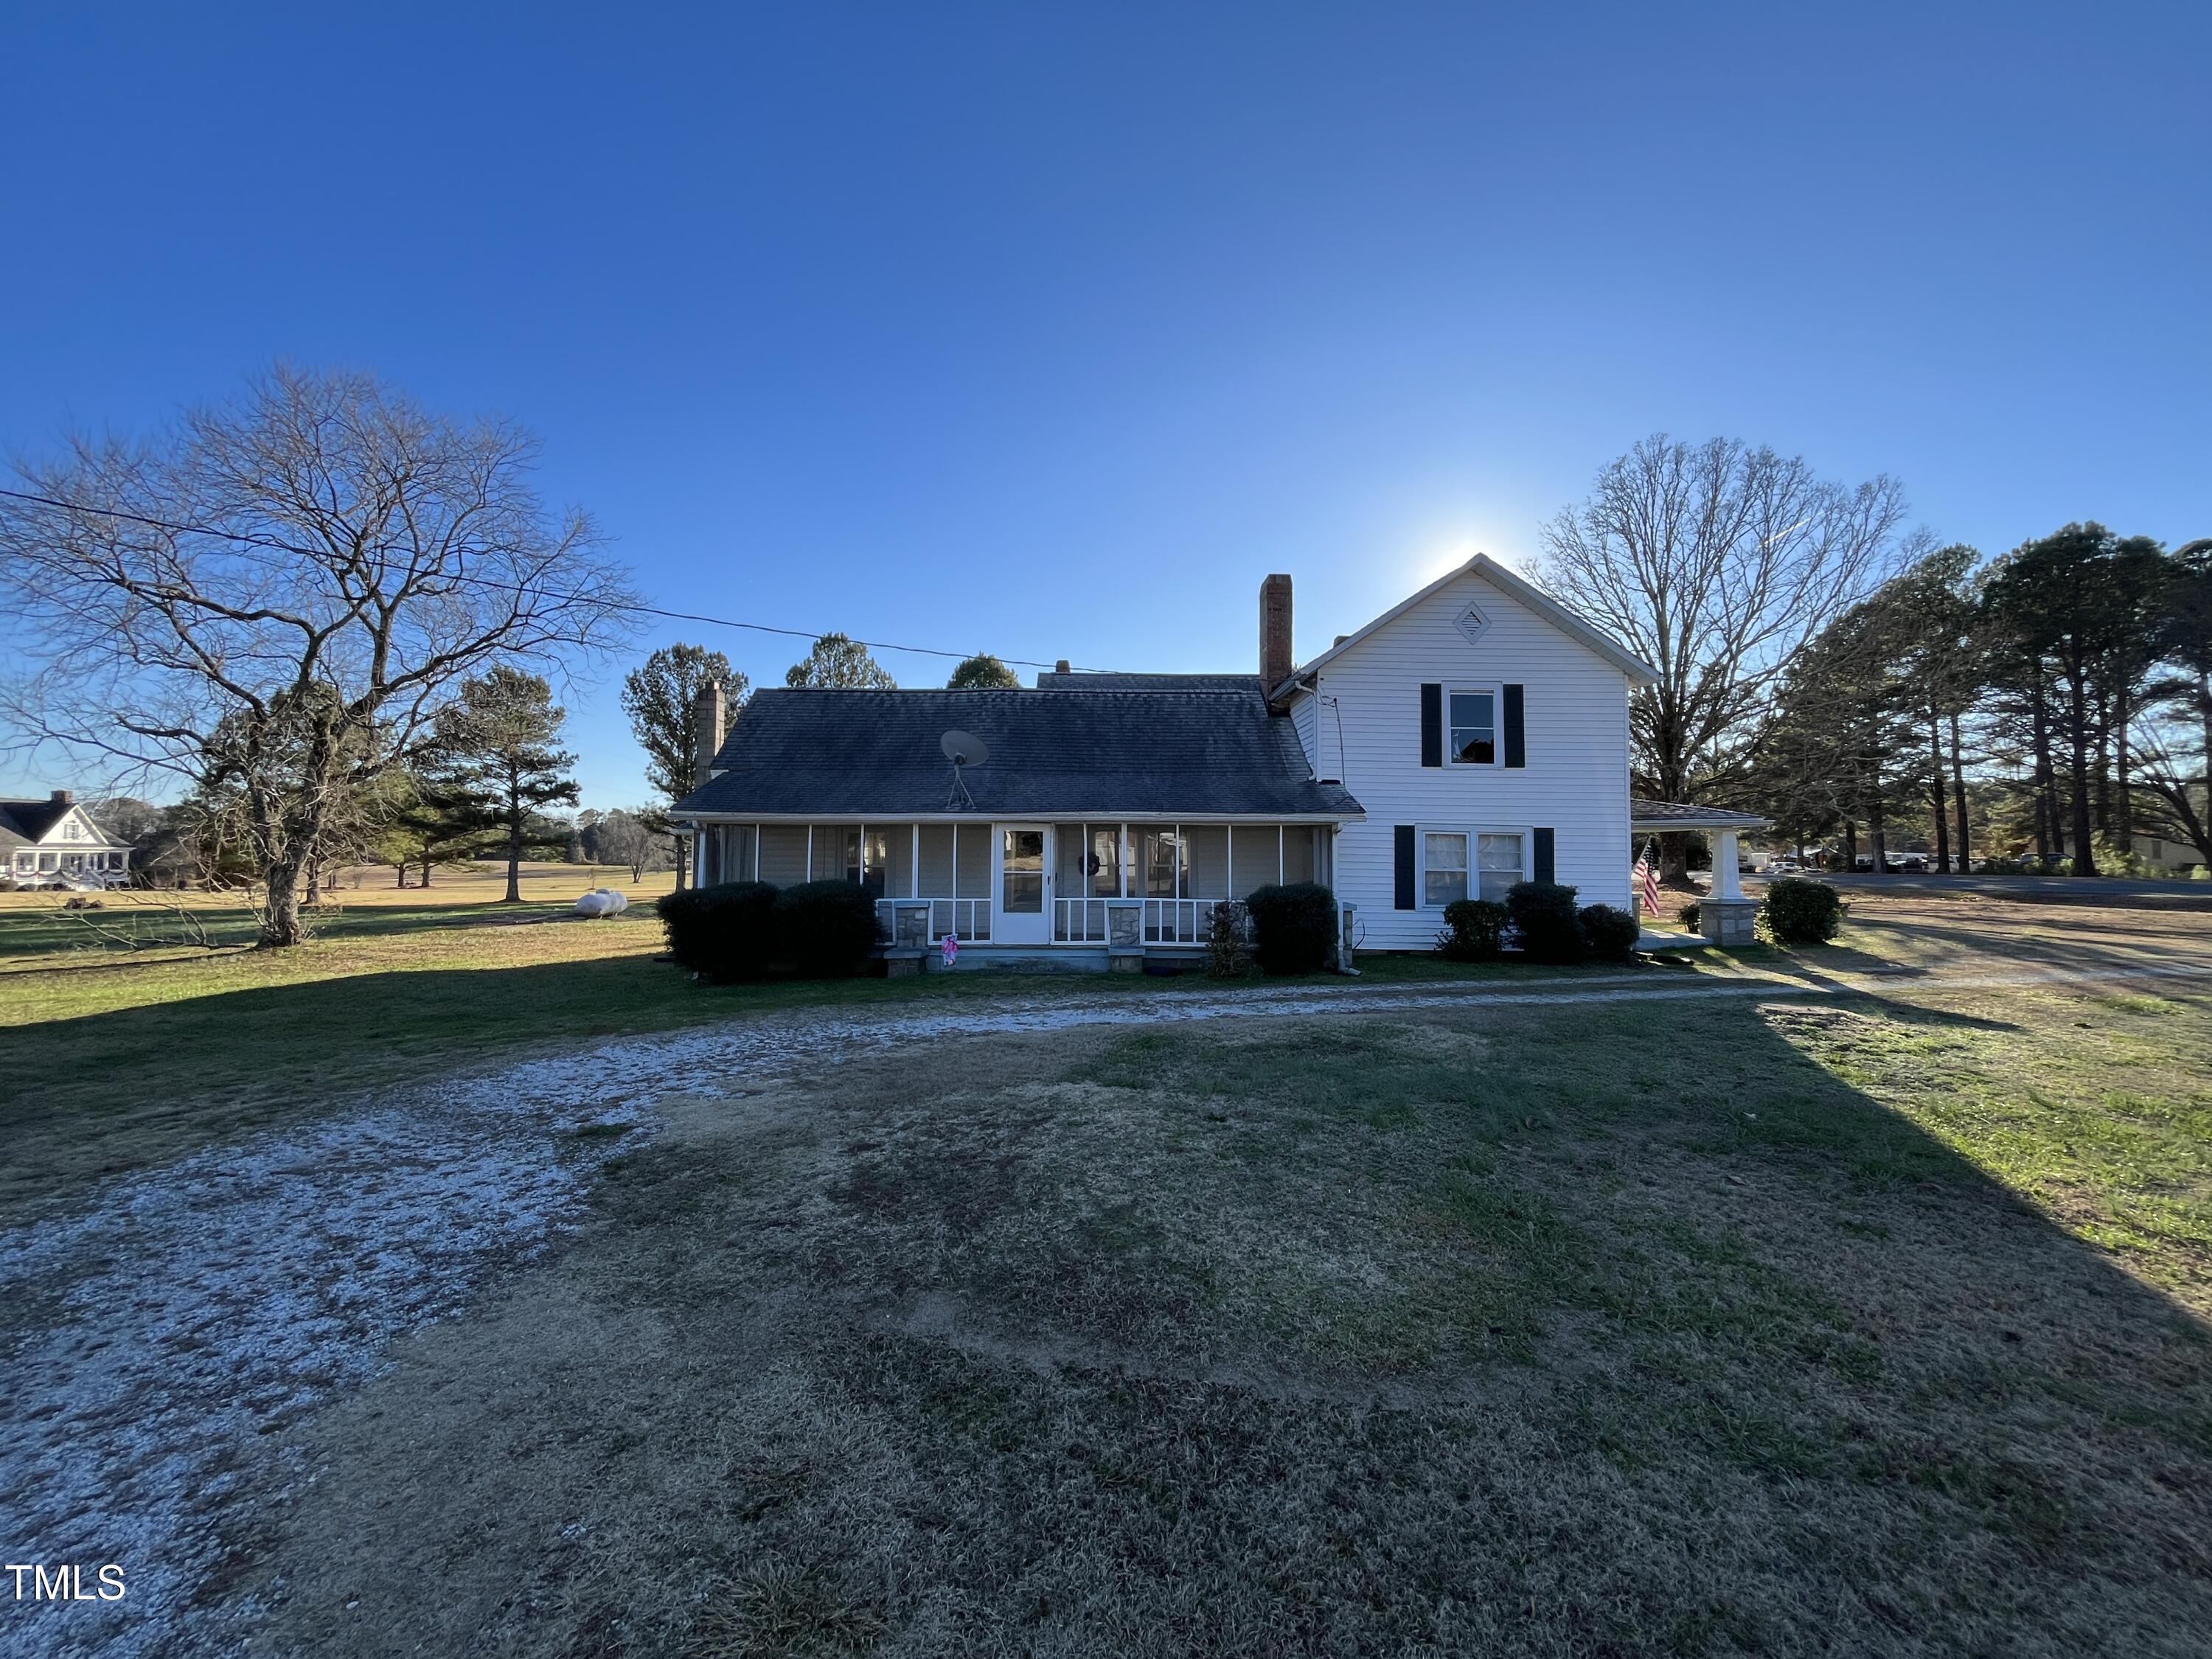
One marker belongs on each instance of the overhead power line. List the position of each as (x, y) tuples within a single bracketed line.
[(637, 609)]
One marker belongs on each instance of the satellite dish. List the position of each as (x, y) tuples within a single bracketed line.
[(964, 747)]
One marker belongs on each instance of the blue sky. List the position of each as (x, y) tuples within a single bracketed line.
[(1049, 330)]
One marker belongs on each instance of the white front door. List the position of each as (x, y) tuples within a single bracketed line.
[(1022, 913)]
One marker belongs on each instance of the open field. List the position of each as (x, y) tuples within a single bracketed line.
[(1851, 1301)]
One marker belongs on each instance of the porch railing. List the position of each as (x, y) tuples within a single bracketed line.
[(965, 919)]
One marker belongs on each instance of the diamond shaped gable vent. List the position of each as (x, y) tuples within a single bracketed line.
[(1471, 624)]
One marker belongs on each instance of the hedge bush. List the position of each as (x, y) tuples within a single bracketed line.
[(725, 932), (826, 929), (1293, 927), (1543, 913), (1475, 931), (1799, 911), (1611, 933), (1688, 916)]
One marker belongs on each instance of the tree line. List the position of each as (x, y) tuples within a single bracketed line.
[(1819, 662), (2067, 684)]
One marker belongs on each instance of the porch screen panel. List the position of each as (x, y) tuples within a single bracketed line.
[(1253, 852), (971, 872), (875, 860), (737, 841), (1155, 845), (783, 853), (1206, 861), (836, 852), (891, 856), (1104, 863), (1298, 861), (934, 873), (1067, 859)]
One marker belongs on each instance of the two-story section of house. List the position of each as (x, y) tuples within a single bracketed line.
[(1484, 728), (55, 843)]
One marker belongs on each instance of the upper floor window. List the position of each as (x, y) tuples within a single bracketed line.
[(1473, 722)]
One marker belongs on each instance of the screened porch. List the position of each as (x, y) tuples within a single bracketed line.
[(1044, 884)]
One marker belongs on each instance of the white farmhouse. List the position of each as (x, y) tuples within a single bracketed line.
[(55, 843), (1473, 737)]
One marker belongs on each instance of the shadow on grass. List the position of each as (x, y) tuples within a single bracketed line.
[(1635, 1328)]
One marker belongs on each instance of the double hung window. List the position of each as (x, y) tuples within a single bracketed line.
[(1499, 859)]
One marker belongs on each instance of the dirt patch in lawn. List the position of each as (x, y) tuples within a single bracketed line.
[(1603, 1330)]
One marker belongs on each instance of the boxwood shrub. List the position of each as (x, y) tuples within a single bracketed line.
[(1543, 913), (723, 932), (1800, 911), (1475, 931), (826, 929), (1611, 933), (1293, 927)]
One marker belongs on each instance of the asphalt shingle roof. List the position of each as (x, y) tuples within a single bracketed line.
[(1644, 813), (28, 820), (1139, 753)]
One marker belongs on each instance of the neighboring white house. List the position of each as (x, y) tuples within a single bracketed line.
[(55, 843), (1473, 737)]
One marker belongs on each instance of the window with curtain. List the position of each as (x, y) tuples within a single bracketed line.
[(1444, 868), (1503, 863)]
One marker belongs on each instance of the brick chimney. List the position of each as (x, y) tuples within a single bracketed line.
[(706, 732), (1276, 661), (65, 797)]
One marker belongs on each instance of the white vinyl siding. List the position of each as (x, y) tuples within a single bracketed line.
[(1576, 728)]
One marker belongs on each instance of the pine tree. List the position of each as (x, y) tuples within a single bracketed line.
[(496, 748)]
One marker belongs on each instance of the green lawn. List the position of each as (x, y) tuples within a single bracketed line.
[(116, 1058)]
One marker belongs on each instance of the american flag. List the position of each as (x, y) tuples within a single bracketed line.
[(1647, 884)]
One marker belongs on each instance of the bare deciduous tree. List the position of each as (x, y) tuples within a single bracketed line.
[(1717, 563), (282, 592)]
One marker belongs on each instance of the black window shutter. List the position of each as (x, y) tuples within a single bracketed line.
[(1543, 870), (1432, 726), (1404, 836), (1516, 742)]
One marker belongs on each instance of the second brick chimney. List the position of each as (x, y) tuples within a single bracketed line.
[(706, 732), (1275, 659)]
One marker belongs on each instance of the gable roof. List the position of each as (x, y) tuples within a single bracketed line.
[(1514, 587), (1053, 752), (30, 820)]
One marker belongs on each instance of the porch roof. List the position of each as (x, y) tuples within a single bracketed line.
[(1650, 817), (1138, 752)]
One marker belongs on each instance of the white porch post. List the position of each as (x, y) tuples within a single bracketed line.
[(1725, 883)]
